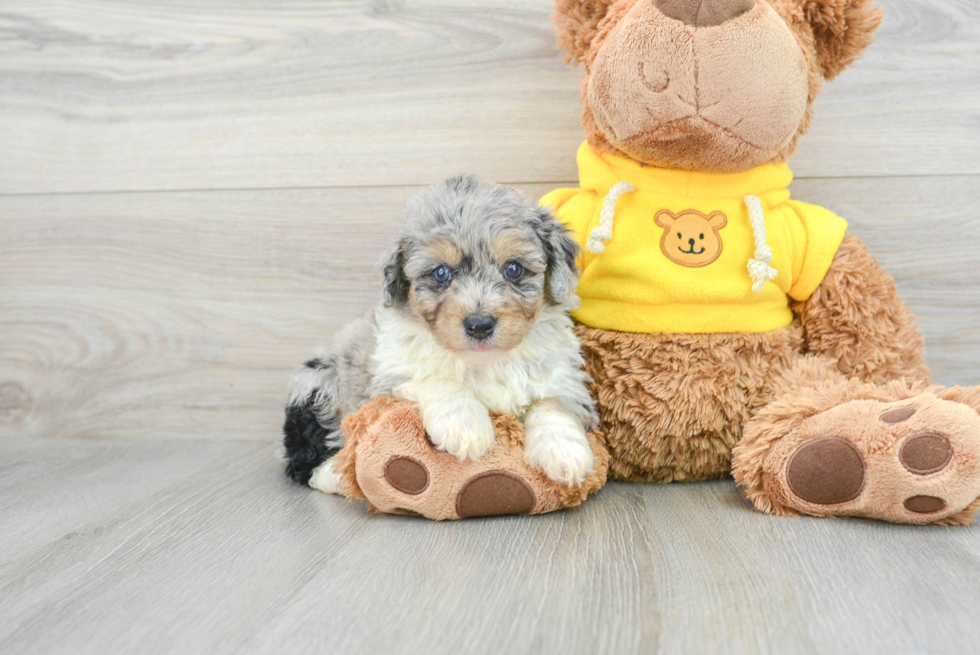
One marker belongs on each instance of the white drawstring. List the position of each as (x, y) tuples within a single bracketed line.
[(600, 235), (760, 266)]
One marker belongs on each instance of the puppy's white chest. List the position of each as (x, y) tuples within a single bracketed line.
[(415, 366), (501, 388)]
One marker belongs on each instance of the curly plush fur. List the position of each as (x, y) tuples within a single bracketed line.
[(857, 319), (672, 406)]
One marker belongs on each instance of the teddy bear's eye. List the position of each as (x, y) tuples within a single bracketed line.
[(702, 236), (679, 236)]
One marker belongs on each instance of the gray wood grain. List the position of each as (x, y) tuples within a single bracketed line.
[(183, 314), (51, 490), (108, 95), (233, 558), (147, 333)]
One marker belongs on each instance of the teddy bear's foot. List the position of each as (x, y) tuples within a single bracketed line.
[(390, 462), (915, 460)]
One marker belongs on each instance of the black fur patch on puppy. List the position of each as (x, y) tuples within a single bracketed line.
[(395, 286), (306, 441)]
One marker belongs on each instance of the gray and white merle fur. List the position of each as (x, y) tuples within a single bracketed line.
[(477, 288)]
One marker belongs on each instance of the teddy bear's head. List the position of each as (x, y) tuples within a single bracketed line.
[(712, 85)]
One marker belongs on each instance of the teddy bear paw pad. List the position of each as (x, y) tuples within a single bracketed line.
[(925, 504), (407, 475), (925, 454), (826, 471), (495, 493)]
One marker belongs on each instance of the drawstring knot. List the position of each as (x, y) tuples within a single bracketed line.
[(760, 266), (603, 233)]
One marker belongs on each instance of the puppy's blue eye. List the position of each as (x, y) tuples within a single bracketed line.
[(442, 274), (513, 271)]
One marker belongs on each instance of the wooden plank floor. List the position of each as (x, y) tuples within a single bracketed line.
[(194, 194)]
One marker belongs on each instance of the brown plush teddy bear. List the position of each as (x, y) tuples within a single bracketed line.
[(729, 328)]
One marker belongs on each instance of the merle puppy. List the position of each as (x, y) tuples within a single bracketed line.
[(477, 288)]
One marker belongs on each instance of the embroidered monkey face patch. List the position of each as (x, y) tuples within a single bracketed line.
[(690, 238)]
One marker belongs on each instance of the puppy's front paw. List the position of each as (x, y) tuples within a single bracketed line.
[(561, 451), (461, 428)]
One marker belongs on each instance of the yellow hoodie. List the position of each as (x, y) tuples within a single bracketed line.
[(686, 252)]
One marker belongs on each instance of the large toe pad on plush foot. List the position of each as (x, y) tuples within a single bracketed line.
[(826, 471), (495, 493), (913, 461), (389, 461)]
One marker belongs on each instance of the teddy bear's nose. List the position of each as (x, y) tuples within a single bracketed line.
[(703, 13)]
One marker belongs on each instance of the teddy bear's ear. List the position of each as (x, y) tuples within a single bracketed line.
[(664, 218), (843, 29), (717, 220), (577, 22)]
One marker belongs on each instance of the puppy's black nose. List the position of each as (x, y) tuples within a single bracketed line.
[(479, 326)]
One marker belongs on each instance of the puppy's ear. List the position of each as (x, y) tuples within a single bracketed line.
[(843, 29), (561, 251), (395, 285), (577, 22)]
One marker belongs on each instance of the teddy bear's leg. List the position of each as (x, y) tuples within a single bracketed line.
[(832, 445), (390, 461), (857, 319)]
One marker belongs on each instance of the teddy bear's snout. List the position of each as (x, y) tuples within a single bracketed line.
[(703, 13), (733, 94)]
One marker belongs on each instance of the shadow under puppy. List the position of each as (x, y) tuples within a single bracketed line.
[(477, 289)]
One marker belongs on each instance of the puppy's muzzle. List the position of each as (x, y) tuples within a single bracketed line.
[(479, 326)]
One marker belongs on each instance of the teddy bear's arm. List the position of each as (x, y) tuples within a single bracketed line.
[(857, 318)]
